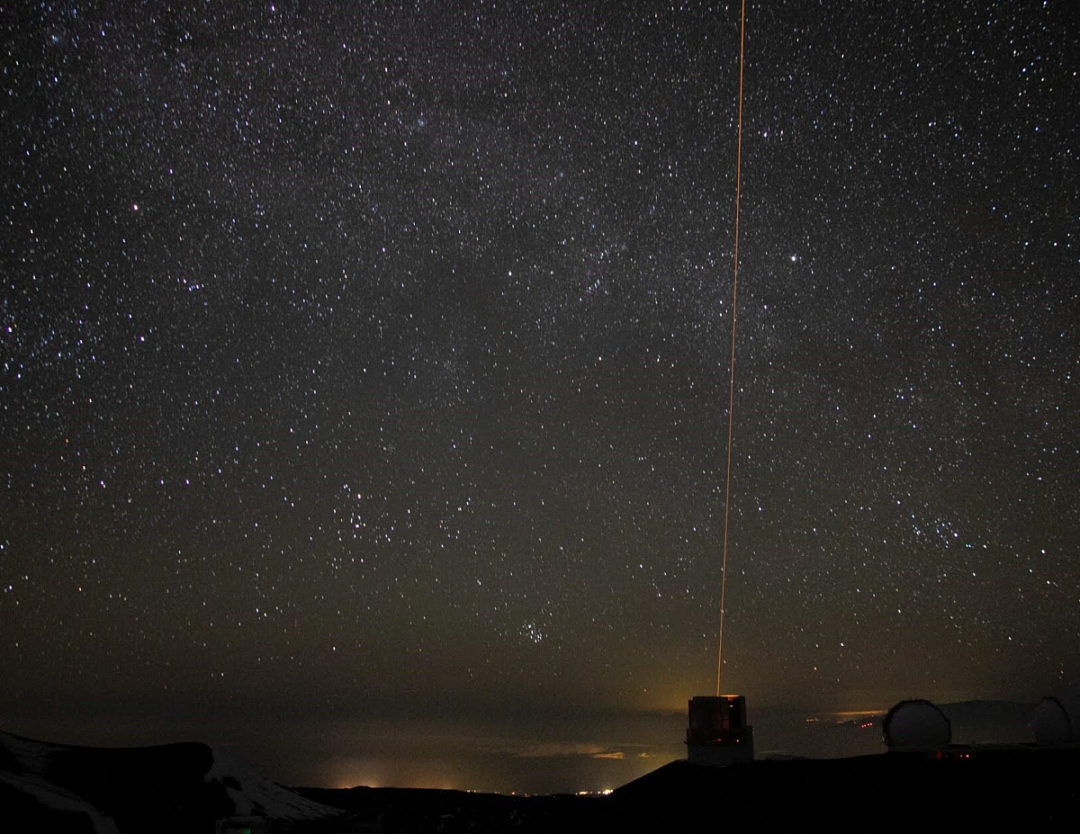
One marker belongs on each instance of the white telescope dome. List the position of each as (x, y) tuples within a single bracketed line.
[(1056, 719), (916, 725)]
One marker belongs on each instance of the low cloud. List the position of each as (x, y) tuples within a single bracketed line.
[(563, 750)]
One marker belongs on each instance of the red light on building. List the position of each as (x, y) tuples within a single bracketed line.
[(718, 734)]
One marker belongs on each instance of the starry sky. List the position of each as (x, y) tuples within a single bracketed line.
[(363, 371)]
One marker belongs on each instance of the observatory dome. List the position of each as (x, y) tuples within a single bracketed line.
[(1056, 719), (916, 725)]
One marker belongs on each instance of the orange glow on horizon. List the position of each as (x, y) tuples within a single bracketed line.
[(854, 713)]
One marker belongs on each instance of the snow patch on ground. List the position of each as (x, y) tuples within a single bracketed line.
[(259, 796), (25, 766), (33, 757)]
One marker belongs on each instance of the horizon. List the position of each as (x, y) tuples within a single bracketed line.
[(548, 755)]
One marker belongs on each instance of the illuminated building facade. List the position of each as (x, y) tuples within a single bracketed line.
[(718, 734)]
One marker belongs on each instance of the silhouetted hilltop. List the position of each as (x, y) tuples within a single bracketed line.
[(180, 788), (187, 789), (963, 785)]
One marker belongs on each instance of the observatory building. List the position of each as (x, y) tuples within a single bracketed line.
[(916, 726), (718, 734), (1056, 720)]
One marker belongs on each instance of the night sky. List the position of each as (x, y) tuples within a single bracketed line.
[(363, 373)]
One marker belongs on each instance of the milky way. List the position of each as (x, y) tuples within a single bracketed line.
[(359, 356)]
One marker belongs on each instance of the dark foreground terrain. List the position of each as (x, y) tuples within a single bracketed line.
[(180, 788), (992, 787)]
